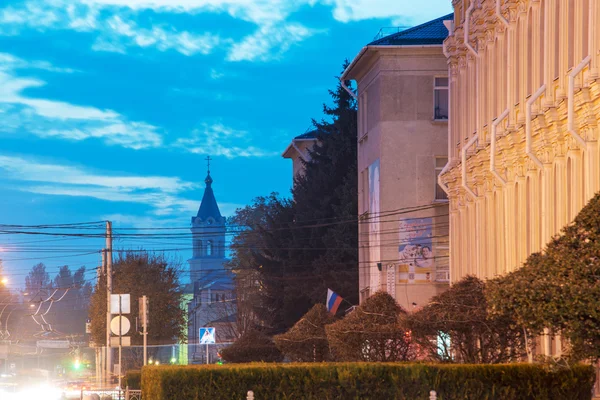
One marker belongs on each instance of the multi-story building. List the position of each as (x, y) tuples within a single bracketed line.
[(299, 151), (523, 134), (402, 83)]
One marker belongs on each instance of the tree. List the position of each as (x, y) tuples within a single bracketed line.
[(306, 341), (141, 273), (252, 346), (559, 288), (456, 325), (372, 332), (37, 280), (302, 247)]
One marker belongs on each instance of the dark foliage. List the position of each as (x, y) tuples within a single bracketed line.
[(456, 325), (372, 332), (252, 346), (368, 381)]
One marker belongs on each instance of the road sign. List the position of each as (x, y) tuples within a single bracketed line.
[(120, 325), (125, 341), (125, 304), (53, 344), (207, 335)]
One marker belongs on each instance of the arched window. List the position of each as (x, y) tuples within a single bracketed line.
[(569, 189), (571, 34), (198, 247), (585, 6), (209, 248), (557, 38), (517, 225), (528, 221), (529, 55), (541, 38)]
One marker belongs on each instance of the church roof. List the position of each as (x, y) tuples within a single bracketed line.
[(208, 206), (432, 32)]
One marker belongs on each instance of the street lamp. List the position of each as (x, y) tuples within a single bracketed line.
[(4, 281)]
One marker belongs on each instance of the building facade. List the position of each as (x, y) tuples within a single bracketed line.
[(211, 284), (524, 108), (299, 152), (402, 145)]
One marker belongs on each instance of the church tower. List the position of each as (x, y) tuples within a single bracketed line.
[(208, 235)]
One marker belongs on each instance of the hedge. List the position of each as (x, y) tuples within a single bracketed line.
[(133, 380), (367, 381)]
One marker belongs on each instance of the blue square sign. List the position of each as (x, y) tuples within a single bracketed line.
[(207, 335)]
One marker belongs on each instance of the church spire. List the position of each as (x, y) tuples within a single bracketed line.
[(209, 207), (208, 179)]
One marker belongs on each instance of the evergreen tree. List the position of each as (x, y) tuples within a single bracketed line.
[(298, 249)]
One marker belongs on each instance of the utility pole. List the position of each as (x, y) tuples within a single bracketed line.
[(108, 259), (144, 317)]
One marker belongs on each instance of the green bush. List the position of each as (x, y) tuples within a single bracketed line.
[(368, 381), (252, 346), (133, 380)]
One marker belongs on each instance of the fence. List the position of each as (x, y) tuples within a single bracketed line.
[(111, 394)]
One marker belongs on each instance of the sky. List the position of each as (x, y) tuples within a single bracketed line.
[(108, 108)]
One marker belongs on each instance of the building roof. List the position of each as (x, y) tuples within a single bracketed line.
[(208, 206), (429, 33), (308, 135)]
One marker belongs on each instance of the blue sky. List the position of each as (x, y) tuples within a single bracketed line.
[(109, 107)]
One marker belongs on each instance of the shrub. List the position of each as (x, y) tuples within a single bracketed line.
[(372, 332), (306, 341), (133, 380), (368, 381), (558, 288), (467, 332), (252, 346)]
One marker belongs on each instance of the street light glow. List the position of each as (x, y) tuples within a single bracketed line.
[(4, 281)]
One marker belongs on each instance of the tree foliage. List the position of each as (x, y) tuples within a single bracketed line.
[(456, 325), (559, 288), (140, 273), (252, 346), (372, 332), (299, 248), (307, 341)]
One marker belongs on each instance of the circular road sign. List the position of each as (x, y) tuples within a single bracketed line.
[(124, 324)]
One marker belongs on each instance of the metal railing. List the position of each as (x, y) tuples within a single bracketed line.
[(111, 394)]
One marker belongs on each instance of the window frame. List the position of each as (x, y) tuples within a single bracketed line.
[(435, 89)]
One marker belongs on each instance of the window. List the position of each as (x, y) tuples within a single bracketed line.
[(440, 99), (440, 163), (209, 248)]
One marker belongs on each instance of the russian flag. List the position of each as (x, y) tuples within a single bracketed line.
[(333, 301)]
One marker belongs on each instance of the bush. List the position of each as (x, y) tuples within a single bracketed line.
[(466, 330), (368, 381), (133, 380), (252, 346), (306, 341), (372, 332)]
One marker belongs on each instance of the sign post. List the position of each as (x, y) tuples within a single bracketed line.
[(207, 336), (120, 304)]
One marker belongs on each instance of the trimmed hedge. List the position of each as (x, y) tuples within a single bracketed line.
[(368, 381), (133, 379)]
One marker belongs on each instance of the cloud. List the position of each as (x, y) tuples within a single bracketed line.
[(219, 140), (52, 118), (120, 34), (216, 75), (269, 42), (408, 11), (9, 61), (162, 194)]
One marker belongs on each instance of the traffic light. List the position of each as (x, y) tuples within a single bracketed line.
[(76, 364)]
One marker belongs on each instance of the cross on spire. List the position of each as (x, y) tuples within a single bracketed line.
[(208, 159)]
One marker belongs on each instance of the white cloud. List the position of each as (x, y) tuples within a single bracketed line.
[(219, 140), (162, 194), (269, 42), (120, 34), (9, 61), (216, 75), (409, 11), (52, 118)]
